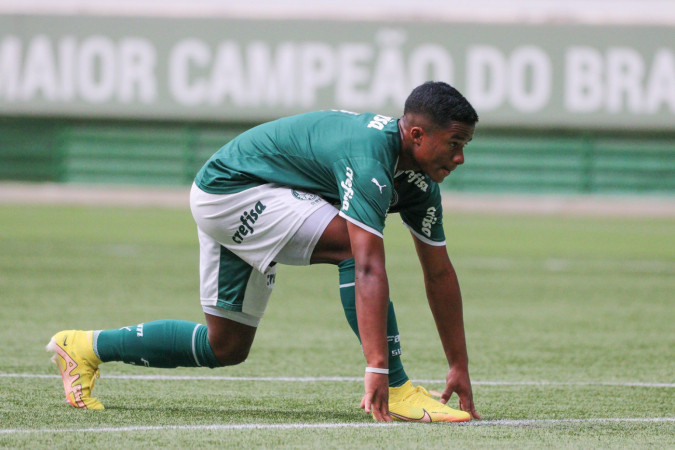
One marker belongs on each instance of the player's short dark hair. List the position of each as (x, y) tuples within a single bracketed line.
[(441, 103)]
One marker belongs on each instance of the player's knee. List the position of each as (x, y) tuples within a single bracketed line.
[(231, 355), (233, 360)]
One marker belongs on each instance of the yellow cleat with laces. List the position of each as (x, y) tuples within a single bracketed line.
[(74, 355), (415, 404)]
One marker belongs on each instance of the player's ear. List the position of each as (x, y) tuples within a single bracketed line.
[(417, 133)]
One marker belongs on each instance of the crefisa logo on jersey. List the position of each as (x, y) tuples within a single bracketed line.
[(248, 219), (428, 221), (417, 179), (348, 189)]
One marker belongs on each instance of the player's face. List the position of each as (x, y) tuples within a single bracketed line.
[(439, 152)]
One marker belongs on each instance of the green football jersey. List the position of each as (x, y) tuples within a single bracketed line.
[(418, 199), (347, 158)]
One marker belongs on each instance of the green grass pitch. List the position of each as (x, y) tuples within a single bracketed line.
[(573, 302)]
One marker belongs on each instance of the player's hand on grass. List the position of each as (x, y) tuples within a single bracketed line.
[(377, 396), (458, 381)]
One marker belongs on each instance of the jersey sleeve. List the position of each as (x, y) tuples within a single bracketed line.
[(365, 189), (425, 219)]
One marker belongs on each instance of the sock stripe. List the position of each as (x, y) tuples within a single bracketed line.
[(347, 285), (94, 342), (194, 350)]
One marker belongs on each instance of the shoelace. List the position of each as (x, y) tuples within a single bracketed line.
[(418, 389), (97, 374), (423, 391)]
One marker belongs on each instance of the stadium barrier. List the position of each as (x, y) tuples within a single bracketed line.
[(143, 153)]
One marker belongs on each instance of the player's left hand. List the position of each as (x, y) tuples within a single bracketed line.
[(377, 396), (458, 381)]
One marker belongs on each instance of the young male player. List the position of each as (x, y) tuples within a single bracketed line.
[(266, 198)]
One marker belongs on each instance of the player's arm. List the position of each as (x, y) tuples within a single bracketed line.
[(372, 301), (445, 301)]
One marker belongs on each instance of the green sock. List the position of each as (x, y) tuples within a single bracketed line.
[(397, 375), (162, 343)]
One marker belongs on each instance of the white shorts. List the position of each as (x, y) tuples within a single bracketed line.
[(241, 234)]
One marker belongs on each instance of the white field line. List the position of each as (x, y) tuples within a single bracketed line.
[(348, 379), (294, 426)]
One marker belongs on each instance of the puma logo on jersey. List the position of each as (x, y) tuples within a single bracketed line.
[(248, 219), (378, 184), (347, 185), (428, 221)]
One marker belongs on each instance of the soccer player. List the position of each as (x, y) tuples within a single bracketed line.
[(266, 198)]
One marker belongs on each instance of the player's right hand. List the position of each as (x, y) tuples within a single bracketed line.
[(458, 381), (376, 399)]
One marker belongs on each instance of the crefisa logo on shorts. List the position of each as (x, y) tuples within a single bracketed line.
[(248, 219)]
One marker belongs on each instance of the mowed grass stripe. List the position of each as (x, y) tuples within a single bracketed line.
[(349, 379), (584, 306), (584, 265), (254, 426)]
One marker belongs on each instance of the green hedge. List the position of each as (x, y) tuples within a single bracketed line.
[(145, 153)]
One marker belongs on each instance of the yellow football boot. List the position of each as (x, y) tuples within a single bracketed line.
[(74, 355), (414, 404)]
